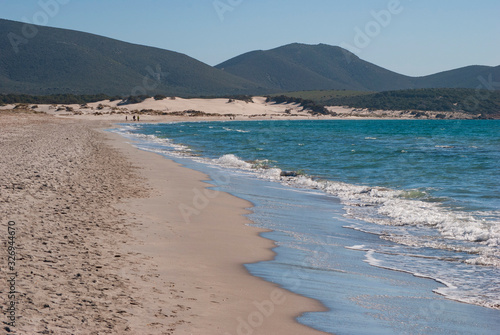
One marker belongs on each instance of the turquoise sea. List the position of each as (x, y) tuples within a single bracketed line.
[(394, 225)]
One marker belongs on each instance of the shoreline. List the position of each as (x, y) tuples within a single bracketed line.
[(247, 303), (124, 240), (103, 245)]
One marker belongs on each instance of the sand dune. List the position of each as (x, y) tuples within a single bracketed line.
[(179, 109)]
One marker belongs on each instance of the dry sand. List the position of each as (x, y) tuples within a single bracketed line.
[(178, 109), (103, 247)]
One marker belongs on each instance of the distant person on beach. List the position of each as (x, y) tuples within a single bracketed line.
[(126, 118), (137, 117), (133, 117)]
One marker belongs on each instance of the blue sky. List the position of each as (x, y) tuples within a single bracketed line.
[(412, 37)]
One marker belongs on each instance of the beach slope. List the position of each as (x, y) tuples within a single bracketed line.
[(111, 239)]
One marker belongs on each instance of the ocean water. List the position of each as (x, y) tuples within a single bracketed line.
[(394, 225)]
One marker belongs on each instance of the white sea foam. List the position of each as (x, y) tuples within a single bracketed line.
[(456, 279), (167, 144), (392, 207), (485, 260), (400, 208), (236, 130), (371, 259), (231, 161)]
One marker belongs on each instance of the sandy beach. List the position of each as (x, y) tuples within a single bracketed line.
[(111, 239), (197, 109)]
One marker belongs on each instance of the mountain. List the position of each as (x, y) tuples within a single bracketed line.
[(476, 76), (43, 60), (300, 67), (297, 67)]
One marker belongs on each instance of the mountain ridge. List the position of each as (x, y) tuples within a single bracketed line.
[(66, 61), (63, 61), (338, 68)]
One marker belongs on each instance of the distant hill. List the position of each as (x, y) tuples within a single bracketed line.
[(49, 61), (475, 76), (301, 67), (53, 61), (298, 67)]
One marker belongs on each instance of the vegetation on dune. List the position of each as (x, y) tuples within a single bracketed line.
[(322, 96), (136, 99), (480, 103), (241, 97), (54, 99), (309, 105), (484, 103), (67, 99)]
